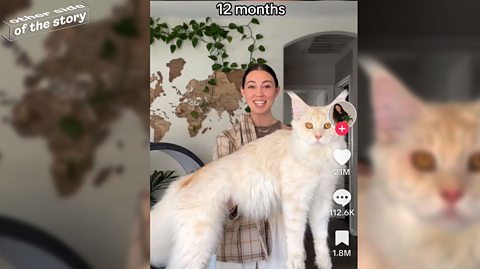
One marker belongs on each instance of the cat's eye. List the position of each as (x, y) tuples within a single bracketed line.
[(423, 161), (327, 125), (474, 162), (309, 125)]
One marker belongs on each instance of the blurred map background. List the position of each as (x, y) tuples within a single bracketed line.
[(73, 123)]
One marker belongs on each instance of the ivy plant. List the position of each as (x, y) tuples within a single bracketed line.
[(213, 36)]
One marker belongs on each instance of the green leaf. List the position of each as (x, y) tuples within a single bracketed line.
[(215, 29), (212, 82), (209, 46), (151, 21), (218, 45), (232, 26), (179, 43), (109, 50), (208, 31), (213, 57), (194, 42), (99, 99), (259, 36), (261, 48), (177, 28), (72, 126), (255, 21), (194, 114), (243, 37), (223, 33), (226, 69), (173, 48), (225, 64), (185, 26), (216, 67), (182, 36), (233, 65), (261, 61), (244, 66), (206, 89), (247, 109), (240, 29), (126, 27), (250, 48), (224, 55), (229, 39), (208, 19)]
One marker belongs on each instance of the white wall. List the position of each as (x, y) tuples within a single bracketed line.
[(302, 19)]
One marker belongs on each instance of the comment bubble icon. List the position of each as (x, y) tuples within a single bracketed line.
[(342, 197)]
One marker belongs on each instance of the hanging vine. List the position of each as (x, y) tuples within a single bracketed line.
[(215, 38)]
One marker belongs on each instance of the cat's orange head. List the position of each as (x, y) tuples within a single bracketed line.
[(311, 123), (426, 157)]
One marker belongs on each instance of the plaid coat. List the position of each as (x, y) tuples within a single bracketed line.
[(243, 241)]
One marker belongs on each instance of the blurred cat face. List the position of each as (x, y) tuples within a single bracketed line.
[(435, 169), (427, 157)]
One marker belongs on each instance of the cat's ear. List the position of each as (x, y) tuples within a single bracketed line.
[(341, 97), (298, 106), (395, 108)]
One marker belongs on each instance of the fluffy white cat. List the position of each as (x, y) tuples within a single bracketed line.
[(290, 173)]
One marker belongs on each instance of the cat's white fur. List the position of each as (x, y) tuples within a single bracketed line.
[(288, 173)]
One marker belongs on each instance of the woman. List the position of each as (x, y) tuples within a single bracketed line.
[(248, 244), (340, 115)]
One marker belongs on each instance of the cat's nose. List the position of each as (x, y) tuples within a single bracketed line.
[(318, 136), (452, 195)]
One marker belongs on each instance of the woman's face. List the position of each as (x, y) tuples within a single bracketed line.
[(259, 91), (338, 109)]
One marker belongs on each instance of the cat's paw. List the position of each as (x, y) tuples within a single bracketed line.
[(295, 264), (323, 263)]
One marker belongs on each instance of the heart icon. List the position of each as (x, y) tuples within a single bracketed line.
[(342, 156)]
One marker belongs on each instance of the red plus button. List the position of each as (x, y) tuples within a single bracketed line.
[(342, 128)]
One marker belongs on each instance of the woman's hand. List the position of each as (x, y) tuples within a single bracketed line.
[(232, 209)]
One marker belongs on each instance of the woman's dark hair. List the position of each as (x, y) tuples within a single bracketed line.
[(261, 67), (337, 116)]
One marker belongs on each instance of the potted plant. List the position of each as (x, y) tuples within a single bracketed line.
[(159, 182)]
